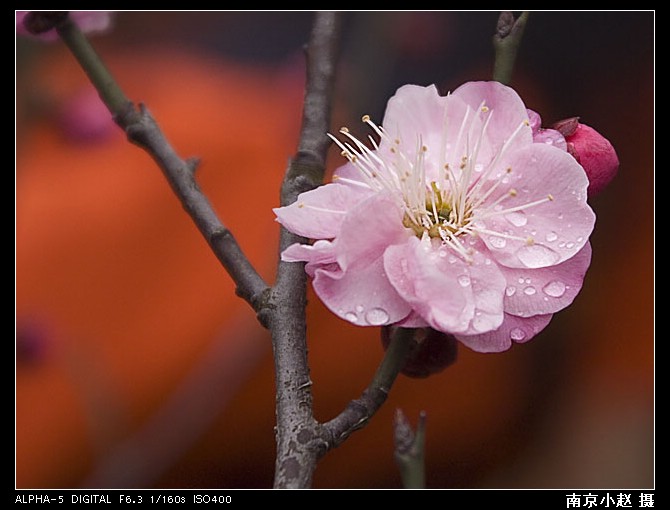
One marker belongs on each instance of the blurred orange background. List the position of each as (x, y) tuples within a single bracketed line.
[(136, 365)]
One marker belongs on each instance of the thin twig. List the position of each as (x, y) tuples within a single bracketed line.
[(409, 450), (359, 411), (506, 41), (297, 440), (142, 130)]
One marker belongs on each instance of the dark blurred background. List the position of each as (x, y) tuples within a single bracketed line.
[(136, 366)]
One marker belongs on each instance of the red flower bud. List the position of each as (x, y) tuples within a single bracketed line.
[(591, 150)]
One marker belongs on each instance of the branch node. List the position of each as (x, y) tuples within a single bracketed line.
[(193, 163)]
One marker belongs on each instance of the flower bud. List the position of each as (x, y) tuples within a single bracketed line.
[(431, 352), (591, 150)]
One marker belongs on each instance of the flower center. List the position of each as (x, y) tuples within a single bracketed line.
[(438, 200)]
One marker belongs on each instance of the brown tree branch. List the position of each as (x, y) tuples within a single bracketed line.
[(143, 131), (357, 413), (298, 444)]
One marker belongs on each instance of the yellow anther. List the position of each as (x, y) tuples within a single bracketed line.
[(512, 192), (550, 197), (365, 118)]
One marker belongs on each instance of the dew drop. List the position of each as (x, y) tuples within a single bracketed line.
[(569, 245), (551, 236), (351, 317), (537, 255), (359, 308), (464, 280), (487, 262), (517, 334), (442, 253), (517, 218), (452, 259), (521, 279), (529, 291), (510, 291), (554, 289), (498, 242), (527, 281), (377, 317), (479, 167)]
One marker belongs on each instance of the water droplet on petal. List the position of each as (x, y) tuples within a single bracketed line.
[(359, 308), (377, 317), (521, 280), (479, 167), (498, 242), (570, 245), (537, 255), (464, 280), (487, 262), (551, 236), (442, 253), (527, 281), (529, 291), (351, 317), (510, 291), (554, 289), (517, 218), (517, 334)]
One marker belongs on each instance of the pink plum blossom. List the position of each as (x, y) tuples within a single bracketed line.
[(451, 218), (88, 21)]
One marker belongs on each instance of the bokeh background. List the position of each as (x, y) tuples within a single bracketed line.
[(136, 366)]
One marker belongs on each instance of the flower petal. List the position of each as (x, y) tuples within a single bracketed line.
[(544, 219), (546, 290), (318, 214), (513, 328), (317, 255), (449, 293), (368, 229), (508, 111), (362, 295)]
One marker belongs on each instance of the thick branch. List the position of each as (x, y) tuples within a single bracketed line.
[(506, 41), (143, 131), (297, 442)]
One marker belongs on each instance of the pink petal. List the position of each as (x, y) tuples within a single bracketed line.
[(548, 233), (368, 229), (508, 110), (362, 295), (318, 214), (535, 120), (319, 254), (450, 294), (513, 328), (546, 290), (550, 137)]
